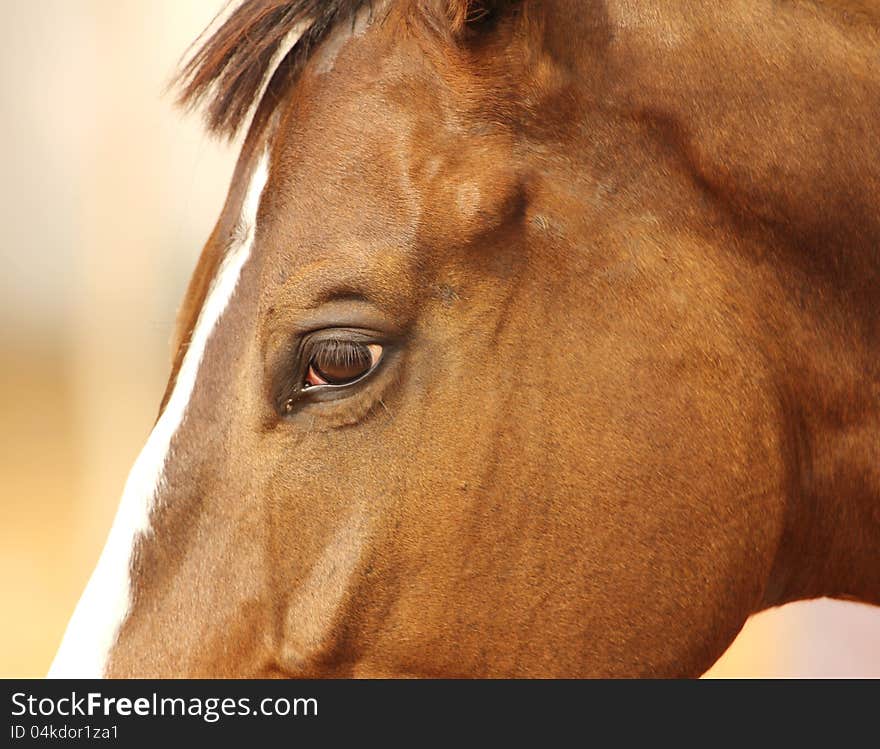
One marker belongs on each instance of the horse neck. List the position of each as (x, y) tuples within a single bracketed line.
[(830, 545), (813, 233)]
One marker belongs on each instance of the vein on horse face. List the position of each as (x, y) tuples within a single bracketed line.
[(106, 600)]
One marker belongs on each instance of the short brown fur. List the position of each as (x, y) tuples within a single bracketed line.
[(624, 258)]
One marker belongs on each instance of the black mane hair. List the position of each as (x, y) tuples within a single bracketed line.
[(228, 71)]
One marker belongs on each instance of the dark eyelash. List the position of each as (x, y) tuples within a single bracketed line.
[(337, 352)]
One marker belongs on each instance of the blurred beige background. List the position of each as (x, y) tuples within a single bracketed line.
[(106, 197)]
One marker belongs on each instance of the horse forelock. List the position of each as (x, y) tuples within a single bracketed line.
[(237, 66), (250, 58)]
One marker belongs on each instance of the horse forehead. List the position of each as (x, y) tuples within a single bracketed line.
[(336, 186), (324, 58)]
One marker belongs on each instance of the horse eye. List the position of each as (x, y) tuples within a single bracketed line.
[(341, 362)]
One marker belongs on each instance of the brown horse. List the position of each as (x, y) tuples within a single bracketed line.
[(535, 338)]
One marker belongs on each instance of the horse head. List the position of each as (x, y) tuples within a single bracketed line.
[(534, 338)]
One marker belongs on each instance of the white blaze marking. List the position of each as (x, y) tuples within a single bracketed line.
[(105, 602)]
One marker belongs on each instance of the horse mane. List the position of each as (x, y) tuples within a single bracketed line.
[(228, 71)]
